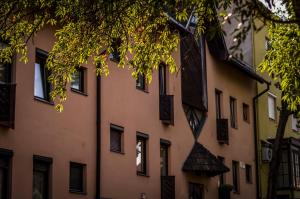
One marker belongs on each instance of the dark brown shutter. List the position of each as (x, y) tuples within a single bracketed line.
[(192, 82)]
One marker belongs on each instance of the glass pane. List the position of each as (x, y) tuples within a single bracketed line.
[(162, 80), (76, 177), (115, 140), (271, 107), (3, 183), (38, 81), (140, 83), (40, 185), (164, 160), (4, 73), (75, 82), (139, 156)]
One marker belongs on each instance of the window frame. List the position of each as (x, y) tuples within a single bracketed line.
[(41, 59), (294, 123), (246, 110), (82, 81), (8, 67), (120, 131), (82, 168), (47, 163), (115, 55), (7, 155), (281, 172), (272, 96), (295, 166), (164, 145), (218, 103), (162, 75), (233, 112), (143, 138), (248, 174), (143, 86), (235, 177), (222, 177)]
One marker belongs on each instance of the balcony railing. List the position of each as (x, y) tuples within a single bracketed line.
[(166, 109), (167, 187), (222, 131), (7, 104)]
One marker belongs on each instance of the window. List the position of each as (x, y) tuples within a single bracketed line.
[(295, 167), (5, 69), (116, 138), (248, 173), (164, 157), (162, 80), (283, 179), (233, 118), (235, 176), (41, 84), (141, 82), (218, 96), (78, 80), (246, 114), (41, 177), (115, 55), (196, 191), (221, 176), (267, 43), (272, 106), (77, 177), (141, 153), (5, 173), (294, 123)]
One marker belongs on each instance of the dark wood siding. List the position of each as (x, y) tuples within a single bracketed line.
[(193, 73)]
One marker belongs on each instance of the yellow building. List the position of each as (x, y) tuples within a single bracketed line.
[(267, 120)]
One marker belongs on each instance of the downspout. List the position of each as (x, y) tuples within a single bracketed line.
[(256, 137), (98, 137)]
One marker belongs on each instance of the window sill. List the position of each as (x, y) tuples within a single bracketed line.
[(119, 152), (79, 92), (247, 121), (114, 59), (142, 174), (43, 100), (141, 89), (77, 192)]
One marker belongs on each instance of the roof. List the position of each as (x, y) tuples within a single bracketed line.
[(203, 162), (217, 47)]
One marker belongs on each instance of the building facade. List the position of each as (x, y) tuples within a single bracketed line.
[(268, 114), (185, 135)]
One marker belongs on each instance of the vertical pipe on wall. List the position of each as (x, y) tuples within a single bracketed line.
[(256, 137), (98, 137)]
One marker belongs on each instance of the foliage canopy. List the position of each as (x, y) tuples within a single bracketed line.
[(93, 29)]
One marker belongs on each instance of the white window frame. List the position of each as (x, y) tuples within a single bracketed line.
[(270, 95), (294, 123)]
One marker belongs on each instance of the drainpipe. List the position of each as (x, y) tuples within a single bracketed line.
[(98, 137), (256, 137)]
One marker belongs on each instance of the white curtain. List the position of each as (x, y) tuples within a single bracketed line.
[(38, 81)]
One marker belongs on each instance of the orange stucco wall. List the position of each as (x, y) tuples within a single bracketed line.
[(41, 130), (70, 136)]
